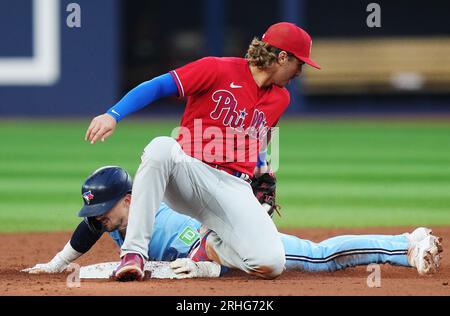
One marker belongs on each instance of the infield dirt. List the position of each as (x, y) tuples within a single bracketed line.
[(20, 251)]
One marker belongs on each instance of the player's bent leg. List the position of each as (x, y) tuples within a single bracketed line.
[(226, 204), (269, 264), (249, 240)]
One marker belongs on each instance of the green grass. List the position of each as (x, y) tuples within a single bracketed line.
[(333, 173)]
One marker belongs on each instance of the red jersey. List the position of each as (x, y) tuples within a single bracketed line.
[(227, 115)]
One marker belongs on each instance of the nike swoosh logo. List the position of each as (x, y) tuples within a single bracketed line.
[(115, 112), (233, 86)]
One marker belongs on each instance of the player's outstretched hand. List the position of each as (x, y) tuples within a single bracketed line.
[(42, 268), (101, 127), (186, 268)]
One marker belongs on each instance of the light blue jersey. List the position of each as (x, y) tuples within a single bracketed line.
[(175, 234)]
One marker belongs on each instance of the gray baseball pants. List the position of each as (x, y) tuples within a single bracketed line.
[(245, 236)]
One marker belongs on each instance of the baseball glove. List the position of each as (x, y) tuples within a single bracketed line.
[(264, 188)]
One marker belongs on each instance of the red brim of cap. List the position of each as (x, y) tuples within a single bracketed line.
[(309, 62)]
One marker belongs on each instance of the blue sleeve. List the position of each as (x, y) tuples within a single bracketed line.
[(143, 95), (262, 159)]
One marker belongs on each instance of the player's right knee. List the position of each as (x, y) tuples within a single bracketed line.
[(160, 149), (272, 268), (268, 266)]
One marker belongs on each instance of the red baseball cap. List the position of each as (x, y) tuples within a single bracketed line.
[(291, 38)]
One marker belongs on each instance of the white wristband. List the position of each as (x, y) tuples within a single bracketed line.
[(67, 255)]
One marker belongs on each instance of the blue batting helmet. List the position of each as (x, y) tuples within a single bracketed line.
[(103, 189)]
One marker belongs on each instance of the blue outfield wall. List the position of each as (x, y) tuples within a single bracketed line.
[(89, 79)]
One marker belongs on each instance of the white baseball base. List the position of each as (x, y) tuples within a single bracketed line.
[(157, 269)]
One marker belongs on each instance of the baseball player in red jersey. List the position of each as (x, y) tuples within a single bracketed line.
[(231, 105)]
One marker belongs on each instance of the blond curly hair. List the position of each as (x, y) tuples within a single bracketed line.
[(262, 55)]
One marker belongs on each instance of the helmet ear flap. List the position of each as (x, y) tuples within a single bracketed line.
[(94, 225)]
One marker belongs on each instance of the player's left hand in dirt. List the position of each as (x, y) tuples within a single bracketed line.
[(54, 266), (186, 268), (264, 188), (101, 127)]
